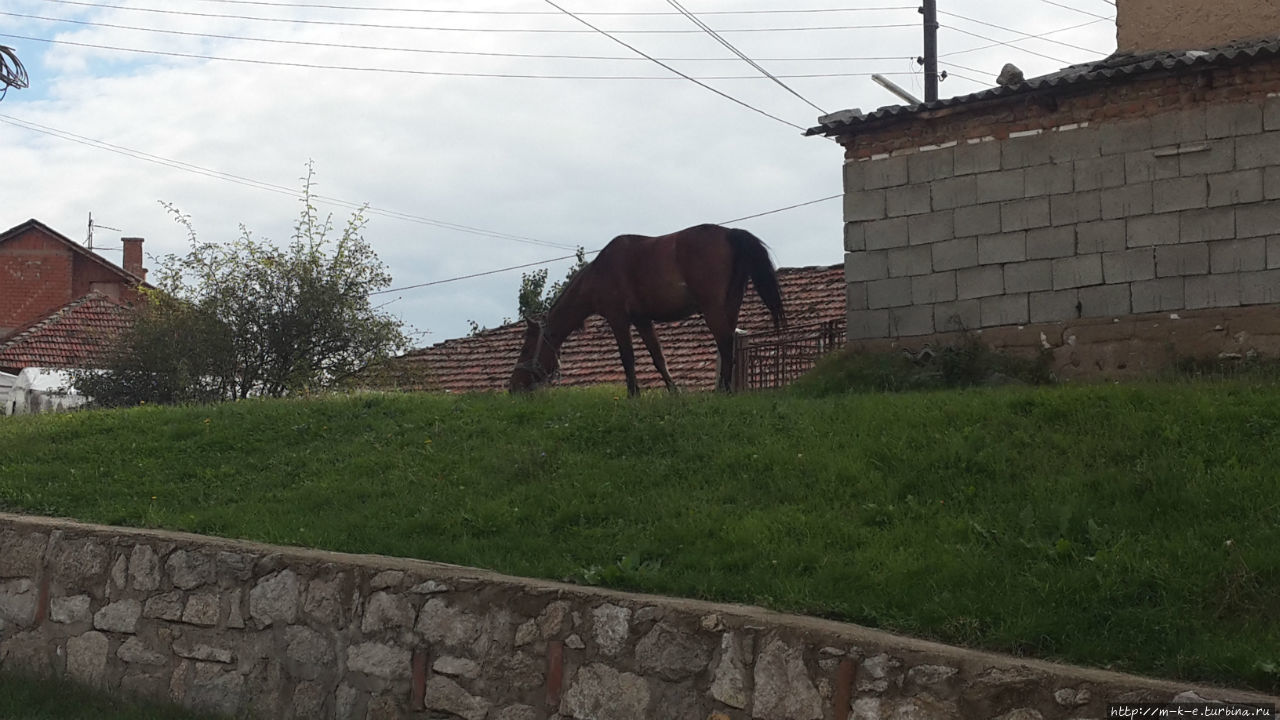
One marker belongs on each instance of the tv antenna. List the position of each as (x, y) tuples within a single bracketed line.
[(89, 240), (12, 74)]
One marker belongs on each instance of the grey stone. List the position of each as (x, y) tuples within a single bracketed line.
[(1002, 248), (611, 624), (1105, 300), (323, 600), (1179, 194), (1127, 201), (598, 692), (1157, 295), (306, 646), (955, 254), (855, 296), (144, 568), (934, 679), (1003, 185), (1099, 173), (870, 265), (87, 658), (955, 316), (1053, 306), (927, 166), (1050, 179), (18, 601), (1070, 272), (854, 176), (215, 689), (1024, 151), (973, 220), (1127, 265), (166, 606), (202, 609), (862, 324), (977, 282), (1235, 188), (908, 261), (555, 619), (346, 702), (439, 622), (275, 599), (203, 651), (518, 712), (77, 563), (446, 695), (1217, 156), (729, 679), (135, 652), (456, 667), (574, 642), (189, 570), (379, 660), (1051, 242), (1206, 291), (1100, 236), (932, 288), (864, 205), (671, 654), (308, 701), (783, 688), (1153, 230), (907, 200), (526, 633), (1178, 126), (72, 609), (1235, 119), (1253, 151), (1125, 136), (878, 673), (1024, 214), (1258, 220), (976, 157), (1075, 143), (956, 192), (932, 227), (21, 554), (386, 611), (1211, 224), (429, 587), (911, 320), (894, 292), (1258, 288), (1231, 256), (121, 616), (885, 172), (855, 238), (1028, 276), (1075, 208), (1186, 259), (386, 579), (1012, 309), (1022, 714), (119, 570), (521, 670), (235, 617), (235, 566), (1072, 697)]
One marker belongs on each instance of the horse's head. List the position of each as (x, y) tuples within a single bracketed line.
[(538, 359)]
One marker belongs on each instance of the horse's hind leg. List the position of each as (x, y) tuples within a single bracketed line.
[(645, 328), (622, 333)]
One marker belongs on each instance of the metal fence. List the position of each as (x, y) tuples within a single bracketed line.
[(775, 359)]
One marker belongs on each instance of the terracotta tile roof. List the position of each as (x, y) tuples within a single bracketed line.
[(75, 335), (483, 362)]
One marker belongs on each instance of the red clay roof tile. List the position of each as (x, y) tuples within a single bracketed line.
[(77, 334)]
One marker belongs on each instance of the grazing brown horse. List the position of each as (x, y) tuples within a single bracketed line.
[(638, 280)]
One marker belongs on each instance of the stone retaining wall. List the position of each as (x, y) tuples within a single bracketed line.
[(272, 632)]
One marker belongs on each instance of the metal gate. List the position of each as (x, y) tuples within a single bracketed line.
[(775, 359)]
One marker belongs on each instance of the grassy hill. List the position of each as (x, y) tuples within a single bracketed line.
[(1132, 527)]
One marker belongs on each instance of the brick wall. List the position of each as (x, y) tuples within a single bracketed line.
[(35, 278), (1152, 196)]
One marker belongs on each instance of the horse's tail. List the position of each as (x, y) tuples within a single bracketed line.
[(751, 260)]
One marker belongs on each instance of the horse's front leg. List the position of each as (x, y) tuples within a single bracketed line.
[(650, 338), (622, 333)]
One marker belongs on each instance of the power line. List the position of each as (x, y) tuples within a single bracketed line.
[(1019, 32), (322, 6), (1076, 9), (1009, 44), (672, 69), (998, 43), (383, 26), (728, 45)]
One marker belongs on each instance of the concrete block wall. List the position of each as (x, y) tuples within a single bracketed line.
[(1173, 210)]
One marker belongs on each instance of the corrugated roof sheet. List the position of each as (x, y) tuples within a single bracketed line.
[(1118, 65), (75, 335), (590, 356)]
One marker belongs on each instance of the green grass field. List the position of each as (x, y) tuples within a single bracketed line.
[(1131, 527)]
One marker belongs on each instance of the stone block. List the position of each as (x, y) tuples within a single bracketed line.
[(1049, 179), (854, 175), (1105, 301), (956, 316), (1207, 291), (855, 236), (1215, 156), (1184, 259), (1075, 207), (954, 192), (1258, 220), (1054, 306), (1099, 173), (1074, 144), (1152, 230), (1180, 194), (1235, 188), (1259, 288), (1209, 224), (909, 321), (1127, 201), (1127, 136), (1128, 265), (870, 265), (1271, 113), (1025, 151), (1029, 276), (864, 205), (1261, 150), (931, 227), (1002, 185), (1003, 310), (1223, 120), (907, 200), (881, 234), (893, 292), (1024, 214), (1100, 236), (1002, 248), (933, 288), (855, 296), (1157, 295), (1273, 252), (954, 254), (1077, 271), (1051, 242), (973, 220), (1140, 166), (885, 172), (914, 260), (1233, 256), (867, 324), (979, 282), (1178, 126), (930, 165), (976, 157)]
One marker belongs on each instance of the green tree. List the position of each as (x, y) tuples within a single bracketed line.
[(534, 298), (248, 318)]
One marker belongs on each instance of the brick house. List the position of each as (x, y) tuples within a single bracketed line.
[(1117, 213)]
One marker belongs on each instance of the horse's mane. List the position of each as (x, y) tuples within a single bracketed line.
[(574, 281)]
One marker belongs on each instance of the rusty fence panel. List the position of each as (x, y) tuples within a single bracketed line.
[(771, 360)]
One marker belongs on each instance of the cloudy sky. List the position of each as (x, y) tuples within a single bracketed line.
[(483, 134)]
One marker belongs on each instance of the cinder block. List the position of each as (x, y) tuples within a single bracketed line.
[(1185, 259), (979, 282), (872, 265), (1128, 265), (1002, 248), (933, 288), (1099, 173), (956, 316), (1234, 256), (908, 321), (1002, 185), (953, 254), (1273, 252), (977, 220), (1025, 151), (855, 296), (1258, 219), (955, 192), (1075, 208), (1205, 291), (1157, 295), (1024, 214), (1180, 194), (855, 236), (1271, 183), (1271, 113), (1118, 137), (1100, 236), (1075, 144), (1127, 201), (1217, 156), (1105, 301), (1029, 276), (1054, 306), (1223, 120), (1077, 271), (893, 292), (1003, 310), (978, 157), (931, 165), (907, 261), (1144, 166), (1049, 179), (1261, 150), (911, 199), (865, 205), (1051, 242), (1212, 224), (867, 324), (1178, 126), (881, 234), (1259, 288), (931, 227), (1235, 188), (855, 176), (886, 172), (1152, 230)]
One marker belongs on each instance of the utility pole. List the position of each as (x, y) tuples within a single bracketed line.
[(930, 59)]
